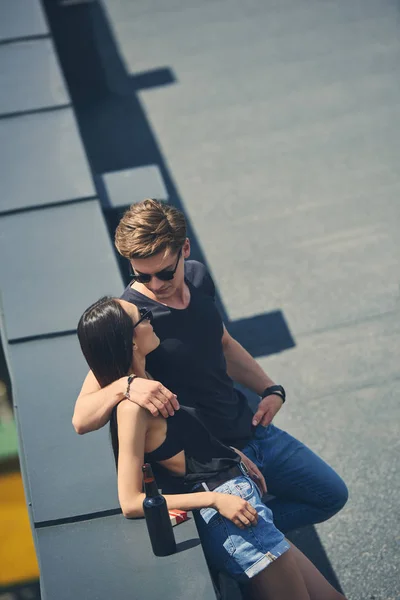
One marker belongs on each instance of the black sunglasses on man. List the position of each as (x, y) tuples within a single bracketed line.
[(164, 275)]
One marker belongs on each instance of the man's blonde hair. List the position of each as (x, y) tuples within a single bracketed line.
[(148, 228)]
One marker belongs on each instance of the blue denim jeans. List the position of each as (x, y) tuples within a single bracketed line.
[(306, 490)]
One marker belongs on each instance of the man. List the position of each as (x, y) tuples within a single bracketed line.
[(198, 360)]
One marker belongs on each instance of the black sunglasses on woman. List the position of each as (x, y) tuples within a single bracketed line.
[(145, 315)]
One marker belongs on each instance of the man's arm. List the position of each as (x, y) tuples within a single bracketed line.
[(244, 369), (94, 404)]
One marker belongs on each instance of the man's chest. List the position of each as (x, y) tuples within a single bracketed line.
[(190, 339)]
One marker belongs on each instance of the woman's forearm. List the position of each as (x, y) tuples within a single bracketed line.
[(174, 501), (93, 410)]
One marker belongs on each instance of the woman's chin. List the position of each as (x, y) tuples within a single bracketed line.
[(156, 343)]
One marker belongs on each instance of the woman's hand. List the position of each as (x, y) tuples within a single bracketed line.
[(237, 510), (153, 396)]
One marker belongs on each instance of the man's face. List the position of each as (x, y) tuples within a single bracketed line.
[(163, 261)]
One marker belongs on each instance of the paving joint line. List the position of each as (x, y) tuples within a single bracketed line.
[(78, 518), (41, 336), (56, 204), (25, 38), (34, 111)]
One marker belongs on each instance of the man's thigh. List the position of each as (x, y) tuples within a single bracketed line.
[(291, 469)]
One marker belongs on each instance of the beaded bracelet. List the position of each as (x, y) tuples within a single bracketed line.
[(130, 379)]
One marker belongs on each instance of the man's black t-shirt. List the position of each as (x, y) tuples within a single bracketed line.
[(190, 359)]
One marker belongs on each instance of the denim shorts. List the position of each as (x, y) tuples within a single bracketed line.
[(242, 553)]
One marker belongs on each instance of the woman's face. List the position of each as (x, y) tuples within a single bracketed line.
[(144, 337)]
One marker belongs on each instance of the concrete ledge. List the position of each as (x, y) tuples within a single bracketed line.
[(111, 558), (30, 77), (68, 475), (59, 261), (42, 161), (21, 18)]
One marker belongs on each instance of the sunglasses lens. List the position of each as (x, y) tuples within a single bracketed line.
[(143, 278), (165, 275)]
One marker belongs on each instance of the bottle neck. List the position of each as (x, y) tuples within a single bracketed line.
[(150, 487)]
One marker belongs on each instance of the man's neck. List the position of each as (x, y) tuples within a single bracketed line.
[(180, 299)]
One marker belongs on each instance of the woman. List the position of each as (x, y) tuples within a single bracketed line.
[(236, 528)]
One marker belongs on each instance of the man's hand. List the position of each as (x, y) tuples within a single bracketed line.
[(254, 471), (153, 396), (267, 410)]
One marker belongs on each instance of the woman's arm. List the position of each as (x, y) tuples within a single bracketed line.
[(94, 405), (132, 428)]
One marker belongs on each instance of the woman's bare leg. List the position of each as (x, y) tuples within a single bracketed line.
[(318, 587), (281, 580)]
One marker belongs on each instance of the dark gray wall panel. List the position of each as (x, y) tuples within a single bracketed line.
[(19, 18), (42, 160), (68, 474), (111, 558), (55, 263), (30, 77)]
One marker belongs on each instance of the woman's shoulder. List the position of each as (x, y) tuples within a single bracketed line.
[(131, 410), (132, 422)]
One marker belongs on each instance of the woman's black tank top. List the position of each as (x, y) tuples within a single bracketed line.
[(205, 456)]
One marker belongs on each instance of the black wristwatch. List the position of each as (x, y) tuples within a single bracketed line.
[(276, 390)]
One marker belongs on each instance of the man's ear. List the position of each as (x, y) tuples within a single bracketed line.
[(186, 248)]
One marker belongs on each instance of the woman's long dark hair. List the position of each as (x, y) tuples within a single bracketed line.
[(105, 333)]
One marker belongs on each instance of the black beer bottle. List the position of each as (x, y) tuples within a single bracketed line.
[(157, 516)]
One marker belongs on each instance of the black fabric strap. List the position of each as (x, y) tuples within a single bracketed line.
[(277, 390), (214, 482)]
